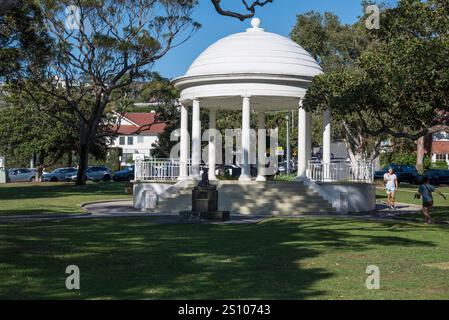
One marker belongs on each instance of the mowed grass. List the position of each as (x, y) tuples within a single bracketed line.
[(54, 198), (308, 258), (406, 193)]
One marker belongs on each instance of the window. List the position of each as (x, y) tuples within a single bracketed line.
[(441, 157), (441, 136), (139, 139), (126, 157), (122, 141), (130, 141)]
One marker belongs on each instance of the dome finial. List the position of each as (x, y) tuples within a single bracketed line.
[(255, 22)]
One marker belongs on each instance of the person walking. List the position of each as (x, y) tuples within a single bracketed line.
[(425, 191), (40, 172), (391, 186)]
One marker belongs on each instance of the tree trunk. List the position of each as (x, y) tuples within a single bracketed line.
[(428, 144), (82, 165), (420, 152), (70, 159), (424, 146)]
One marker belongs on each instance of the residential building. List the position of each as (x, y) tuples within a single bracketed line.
[(136, 134), (440, 147)]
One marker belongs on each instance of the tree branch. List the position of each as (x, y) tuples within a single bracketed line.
[(251, 8)]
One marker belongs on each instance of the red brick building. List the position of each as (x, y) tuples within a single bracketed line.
[(440, 147)]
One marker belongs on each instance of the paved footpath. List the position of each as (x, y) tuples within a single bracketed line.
[(124, 208)]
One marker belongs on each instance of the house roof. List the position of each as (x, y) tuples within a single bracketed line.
[(145, 123)]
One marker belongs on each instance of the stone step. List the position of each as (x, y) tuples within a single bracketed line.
[(270, 198)]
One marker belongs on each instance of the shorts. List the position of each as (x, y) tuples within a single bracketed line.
[(390, 190), (427, 204)]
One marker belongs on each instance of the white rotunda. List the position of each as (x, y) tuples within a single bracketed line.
[(249, 71)]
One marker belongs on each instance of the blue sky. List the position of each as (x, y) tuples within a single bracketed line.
[(278, 17)]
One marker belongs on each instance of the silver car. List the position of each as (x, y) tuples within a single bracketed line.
[(59, 174), (21, 175), (96, 173)]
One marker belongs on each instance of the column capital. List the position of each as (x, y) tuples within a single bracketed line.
[(246, 96), (196, 99)]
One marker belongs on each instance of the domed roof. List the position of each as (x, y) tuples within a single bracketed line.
[(255, 52)]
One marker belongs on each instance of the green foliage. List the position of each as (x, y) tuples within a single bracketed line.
[(404, 158), (24, 42), (26, 132), (397, 83), (110, 159), (115, 46), (440, 165), (285, 177), (332, 44)]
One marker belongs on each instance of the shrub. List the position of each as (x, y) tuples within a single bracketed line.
[(440, 165), (285, 178)]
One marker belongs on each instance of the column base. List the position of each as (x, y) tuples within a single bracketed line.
[(245, 178), (183, 178)]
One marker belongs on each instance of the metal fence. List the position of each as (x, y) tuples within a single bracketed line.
[(169, 170), (156, 169), (159, 169), (340, 171)]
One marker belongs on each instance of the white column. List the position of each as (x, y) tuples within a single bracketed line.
[(184, 144), (308, 138), (246, 140), (327, 136), (196, 139), (261, 146), (304, 140), (212, 143), (327, 143)]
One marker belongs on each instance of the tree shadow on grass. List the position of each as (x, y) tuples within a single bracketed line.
[(53, 190), (134, 258), (440, 214)]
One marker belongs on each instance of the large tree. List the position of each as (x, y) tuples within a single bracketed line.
[(336, 47), (23, 37), (398, 84), (25, 133), (101, 48)]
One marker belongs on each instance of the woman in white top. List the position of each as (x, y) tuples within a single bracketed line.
[(391, 185)]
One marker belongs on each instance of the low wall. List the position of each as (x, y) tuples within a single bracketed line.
[(347, 197), (155, 187)]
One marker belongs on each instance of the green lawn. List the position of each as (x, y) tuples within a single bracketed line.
[(57, 198), (309, 258), (406, 195)]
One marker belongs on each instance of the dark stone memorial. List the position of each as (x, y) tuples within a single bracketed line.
[(205, 202)]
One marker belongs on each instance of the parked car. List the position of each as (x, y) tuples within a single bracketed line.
[(438, 176), (21, 175), (96, 173), (405, 173), (229, 171), (59, 174), (126, 174), (71, 176), (282, 167)]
